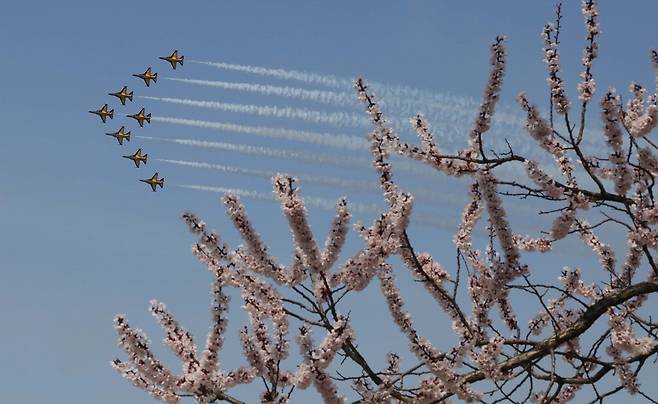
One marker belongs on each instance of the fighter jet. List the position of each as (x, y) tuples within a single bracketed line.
[(141, 117), (154, 181), (147, 76), (173, 59), (120, 135), (123, 94), (137, 157), (104, 113)]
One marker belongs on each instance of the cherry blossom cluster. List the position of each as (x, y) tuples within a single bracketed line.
[(566, 394), (491, 95), (384, 139), (637, 119), (381, 240), (470, 217), (429, 152), (441, 367), (604, 252), (260, 259), (178, 339), (317, 359), (555, 311), (263, 348), (382, 393), (494, 289), (145, 371), (587, 87), (623, 340), (552, 59), (487, 359), (622, 173), (541, 131), (542, 179)]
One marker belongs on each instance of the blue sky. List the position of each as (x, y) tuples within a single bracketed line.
[(81, 239)]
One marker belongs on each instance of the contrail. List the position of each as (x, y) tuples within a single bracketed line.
[(445, 112), (339, 141), (310, 78), (323, 203), (362, 186), (322, 96), (412, 100), (322, 139), (340, 161), (356, 185), (340, 119)]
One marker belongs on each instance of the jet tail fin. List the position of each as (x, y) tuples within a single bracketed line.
[(130, 95), (181, 60), (155, 77), (146, 156), (148, 118), (161, 182), (111, 114)]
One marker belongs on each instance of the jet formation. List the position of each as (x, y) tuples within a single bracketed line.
[(122, 135)]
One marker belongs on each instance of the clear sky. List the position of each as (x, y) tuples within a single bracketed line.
[(81, 239)]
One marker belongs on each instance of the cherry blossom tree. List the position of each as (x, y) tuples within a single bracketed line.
[(584, 331)]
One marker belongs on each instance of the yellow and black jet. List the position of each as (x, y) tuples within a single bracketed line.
[(154, 181), (137, 157), (147, 76), (123, 94), (141, 117), (120, 135), (173, 59), (104, 113)]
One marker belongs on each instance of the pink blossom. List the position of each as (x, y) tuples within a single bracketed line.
[(587, 87), (491, 94), (552, 60)]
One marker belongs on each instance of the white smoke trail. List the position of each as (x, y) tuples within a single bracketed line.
[(453, 123), (322, 203), (310, 78), (332, 182), (454, 113), (396, 96), (322, 139), (340, 161), (340, 119), (446, 112), (326, 97)]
